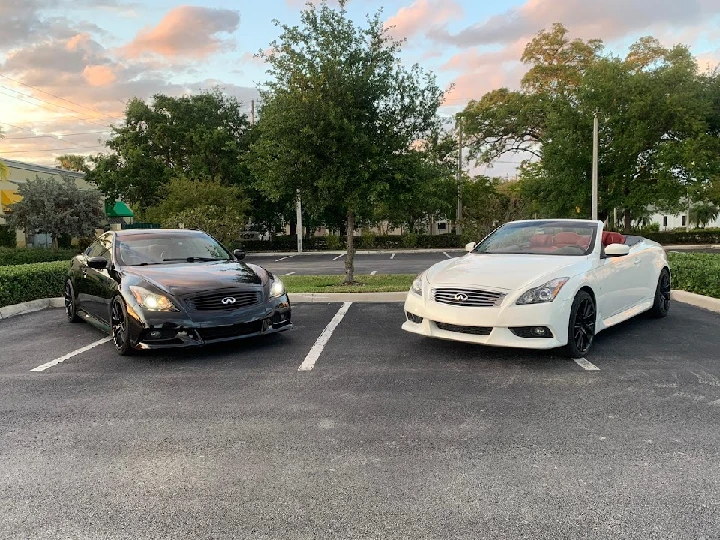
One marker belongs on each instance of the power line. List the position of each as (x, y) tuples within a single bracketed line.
[(50, 150), (48, 135), (47, 108), (57, 137), (60, 98)]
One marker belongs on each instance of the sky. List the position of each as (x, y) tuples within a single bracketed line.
[(67, 67)]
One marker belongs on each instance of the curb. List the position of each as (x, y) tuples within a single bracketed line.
[(28, 307), (344, 252), (696, 300), (347, 297)]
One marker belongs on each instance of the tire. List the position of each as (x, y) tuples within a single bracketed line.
[(661, 306), (120, 331), (70, 303), (581, 325)]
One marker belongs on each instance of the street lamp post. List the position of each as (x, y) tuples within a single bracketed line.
[(595, 168)]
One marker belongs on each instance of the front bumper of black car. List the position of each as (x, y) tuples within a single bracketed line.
[(161, 330)]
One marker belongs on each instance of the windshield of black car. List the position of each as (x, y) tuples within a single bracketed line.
[(146, 249), (541, 238)]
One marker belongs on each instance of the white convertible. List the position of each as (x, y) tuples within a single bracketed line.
[(540, 284)]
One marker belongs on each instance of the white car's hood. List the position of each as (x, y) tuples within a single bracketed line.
[(508, 272)]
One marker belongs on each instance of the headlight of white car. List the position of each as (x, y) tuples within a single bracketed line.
[(152, 301), (417, 285), (544, 293), (277, 288)]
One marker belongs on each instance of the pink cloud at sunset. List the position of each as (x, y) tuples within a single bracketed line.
[(185, 31), (414, 19)]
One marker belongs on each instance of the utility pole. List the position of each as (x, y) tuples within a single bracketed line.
[(252, 112), (458, 228), (687, 221), (298, 216), (595, 168)]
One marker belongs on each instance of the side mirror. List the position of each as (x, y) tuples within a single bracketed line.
[(239, 254), (617, 250), (470, 246), (98, 263)]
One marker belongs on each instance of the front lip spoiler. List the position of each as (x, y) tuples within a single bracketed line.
[(189, 337)]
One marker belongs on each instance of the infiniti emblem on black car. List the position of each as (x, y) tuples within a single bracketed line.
[(461, 297), (228, 300)]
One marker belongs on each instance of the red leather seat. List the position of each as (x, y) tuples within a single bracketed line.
[(609, 237), (567, 239), (541, 241)]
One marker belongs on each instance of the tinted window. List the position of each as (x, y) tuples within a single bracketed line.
[(158, 248)]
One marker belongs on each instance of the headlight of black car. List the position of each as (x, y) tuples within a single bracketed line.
[(152, 301), (277, 288)]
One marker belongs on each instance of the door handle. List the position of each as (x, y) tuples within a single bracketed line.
[(637, 261)]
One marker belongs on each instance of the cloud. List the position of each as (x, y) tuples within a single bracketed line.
[(421, 15), (99, 75), (186, 31), (609, 19)]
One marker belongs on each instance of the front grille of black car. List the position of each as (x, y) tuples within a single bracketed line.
[(474, 330), (223, 300), (468, 297), (235, 330)]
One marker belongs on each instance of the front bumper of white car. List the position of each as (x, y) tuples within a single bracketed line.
[(506, 325)]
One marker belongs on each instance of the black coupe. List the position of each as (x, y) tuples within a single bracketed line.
[(156, 288)]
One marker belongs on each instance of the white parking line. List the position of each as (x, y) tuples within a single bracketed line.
[(586, 365), (341, 255), (448, 256), (373, 272), (392, 256), (317, 349), (289, 273), (70, 355), (283, 258)]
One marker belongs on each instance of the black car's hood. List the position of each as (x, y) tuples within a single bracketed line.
[(198, 276)]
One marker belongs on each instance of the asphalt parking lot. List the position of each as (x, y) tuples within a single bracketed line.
[(381, 262), (389, 435)]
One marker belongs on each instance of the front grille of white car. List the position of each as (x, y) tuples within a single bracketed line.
[(467, 297)]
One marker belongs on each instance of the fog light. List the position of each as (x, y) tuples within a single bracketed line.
[(155, 334), (538, 331)]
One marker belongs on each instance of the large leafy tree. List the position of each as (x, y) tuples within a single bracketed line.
[(57, 208), (656, 140), (339, 115), (201, 136)]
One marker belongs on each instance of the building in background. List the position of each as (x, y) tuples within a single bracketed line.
[(20, 172)]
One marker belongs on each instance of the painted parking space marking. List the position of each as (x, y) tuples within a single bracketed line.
[(341, 255), (289, 273), (57, 361), (392, 256), (448, 256), (373, 272), (283, 258), (317, 349), (588, 366)]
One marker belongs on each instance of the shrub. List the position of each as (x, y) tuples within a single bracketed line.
[(367, 241), (14, 256), (335, 243), (698, 236), (26, 282), (696, 272)]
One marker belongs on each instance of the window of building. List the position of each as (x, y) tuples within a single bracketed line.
[(684, 220), (442, 226), (664, 221)]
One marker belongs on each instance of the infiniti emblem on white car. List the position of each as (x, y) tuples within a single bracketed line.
[(228, 300), (461, 297)]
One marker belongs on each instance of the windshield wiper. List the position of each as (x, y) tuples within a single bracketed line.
[(196, 259)]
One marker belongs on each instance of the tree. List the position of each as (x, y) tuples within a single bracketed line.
[(200, 136), (703, 213), (72, 162), (56, 208), (339, 115), (656, 135)]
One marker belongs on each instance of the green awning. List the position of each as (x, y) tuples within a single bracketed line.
[(119, 209)]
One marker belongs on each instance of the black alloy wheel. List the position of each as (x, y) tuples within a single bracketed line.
[(581, 327), (119, 326), (661, 306), (70, 303)]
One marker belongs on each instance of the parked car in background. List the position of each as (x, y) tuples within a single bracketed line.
[(540, 284), (161, 288)]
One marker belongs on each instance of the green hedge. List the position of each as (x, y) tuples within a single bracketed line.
[(696, 272), (26, 282), (13, 256), (682, 237), (366, 241)]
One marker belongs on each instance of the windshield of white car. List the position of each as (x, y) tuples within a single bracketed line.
[(541, 238), (142, 249)]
